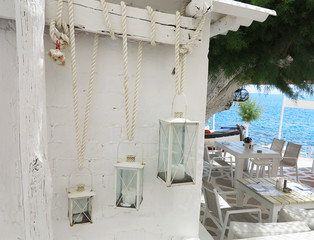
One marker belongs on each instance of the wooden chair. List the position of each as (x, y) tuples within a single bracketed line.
[(222, 216), (290, 158), (217, 162), (277, 145)]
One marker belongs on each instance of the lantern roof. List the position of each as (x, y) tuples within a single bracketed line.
[(132, 165), (74, 193), (180, 120)]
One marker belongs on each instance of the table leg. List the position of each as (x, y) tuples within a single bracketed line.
[(240, 198), (275, 166), (273, 213), (238, 171)]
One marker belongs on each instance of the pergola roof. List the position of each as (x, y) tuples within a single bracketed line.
[(229, 15), (226, 15)]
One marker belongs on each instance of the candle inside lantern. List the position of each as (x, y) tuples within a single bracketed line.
[(128, 196), (178, 172)]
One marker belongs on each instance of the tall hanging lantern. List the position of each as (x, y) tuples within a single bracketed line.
[(129, 167), (177, 149), (129, 175), (177, 152), (80, 200)]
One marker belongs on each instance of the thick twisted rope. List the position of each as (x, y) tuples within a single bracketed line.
[(59, 30), (152, 25), (80, 144), (130, 127), (181, 50), (107, 20), (179, 80)]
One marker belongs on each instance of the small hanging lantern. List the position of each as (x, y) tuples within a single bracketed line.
[(241, 95), (80, 201), (129, 175), (177, 150)]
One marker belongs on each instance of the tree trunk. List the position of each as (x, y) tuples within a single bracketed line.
[(247, 129), (36, 179), (220, 92)]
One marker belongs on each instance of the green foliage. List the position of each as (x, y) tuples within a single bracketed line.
[(250, 110), (262, 51)]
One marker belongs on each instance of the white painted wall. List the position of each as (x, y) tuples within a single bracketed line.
[(165, 212), (11, 211)]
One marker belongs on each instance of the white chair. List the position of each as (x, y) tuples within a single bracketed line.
[(290, 158), (217, 162), (261, 164), (222, 216)]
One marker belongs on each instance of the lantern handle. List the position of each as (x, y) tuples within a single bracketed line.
[(135, 143), (175, 113), (75, 171)]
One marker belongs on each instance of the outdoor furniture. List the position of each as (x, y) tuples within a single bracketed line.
[(242, 230), (277, 145), (290, 213), (290, 158), (264, 191), (218, 163), (222, 216), (241, 154)]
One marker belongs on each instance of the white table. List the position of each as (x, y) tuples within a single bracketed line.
[(241, 155), (273, 202)]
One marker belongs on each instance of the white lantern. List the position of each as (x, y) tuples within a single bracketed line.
[(80, 202), (177, 151), (129, 175)]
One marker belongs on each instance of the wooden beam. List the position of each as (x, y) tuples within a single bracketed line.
[(89, 17), (36, 179)]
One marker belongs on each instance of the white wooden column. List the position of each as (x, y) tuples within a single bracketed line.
[(36, 179)]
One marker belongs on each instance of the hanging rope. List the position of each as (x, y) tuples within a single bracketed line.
[(59, 33), (130, 126), (107, 20), (80, 142), (152, 25), (181, 50)]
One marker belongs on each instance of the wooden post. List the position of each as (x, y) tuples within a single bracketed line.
[(36, 179)]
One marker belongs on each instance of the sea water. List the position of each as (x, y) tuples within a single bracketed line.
[(297, 125)]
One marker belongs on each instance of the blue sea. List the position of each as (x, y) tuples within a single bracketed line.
[(297, 127)]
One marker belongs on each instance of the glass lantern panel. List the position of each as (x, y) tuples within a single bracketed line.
[(163, 149), (126, 188), (183, 152), (81, 210)]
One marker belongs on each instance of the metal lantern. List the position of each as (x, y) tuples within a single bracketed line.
[(241, 95), (129, 175), (177, 150), (80, 201)]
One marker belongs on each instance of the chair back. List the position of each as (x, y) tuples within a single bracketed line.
[(292, 153), (206, 156), (212, 200), (277, 145)]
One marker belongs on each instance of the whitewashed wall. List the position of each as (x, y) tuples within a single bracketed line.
[(11, 211), (165, 212)]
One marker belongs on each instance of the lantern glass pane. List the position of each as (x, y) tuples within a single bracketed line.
[(126, 188), (81, 210), (164, 129), (177, 151)]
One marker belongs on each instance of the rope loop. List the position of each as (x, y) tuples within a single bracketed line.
[(60, 33)]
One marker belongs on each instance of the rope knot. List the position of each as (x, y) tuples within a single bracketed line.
[(60, 32), (185, 49)]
